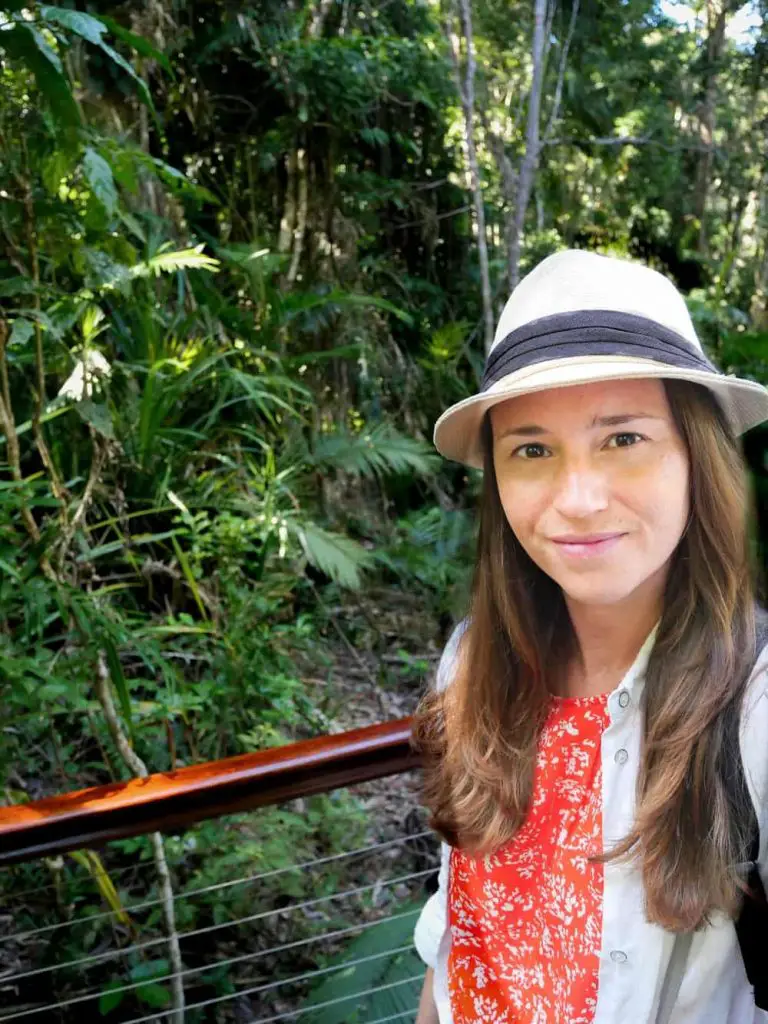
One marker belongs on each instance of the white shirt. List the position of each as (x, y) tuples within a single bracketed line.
[(635, 954)]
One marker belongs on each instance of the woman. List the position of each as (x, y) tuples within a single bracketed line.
[(596, 747)]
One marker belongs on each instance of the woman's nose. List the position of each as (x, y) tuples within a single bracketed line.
[(581, 491)]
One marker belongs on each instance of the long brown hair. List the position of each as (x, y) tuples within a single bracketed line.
[(478, 737)]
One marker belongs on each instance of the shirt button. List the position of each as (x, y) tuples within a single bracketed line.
[(624, 699), (618, 956), (621, 756)]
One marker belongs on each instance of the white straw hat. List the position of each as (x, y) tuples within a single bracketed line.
[(580, 317)]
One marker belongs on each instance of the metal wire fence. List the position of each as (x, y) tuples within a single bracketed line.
[(325, 939)]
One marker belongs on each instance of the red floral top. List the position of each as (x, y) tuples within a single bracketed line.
[(526, 920)]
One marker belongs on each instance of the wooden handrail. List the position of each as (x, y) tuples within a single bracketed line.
[(170, 800)]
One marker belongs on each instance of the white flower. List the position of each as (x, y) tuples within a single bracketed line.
[(84, 379)]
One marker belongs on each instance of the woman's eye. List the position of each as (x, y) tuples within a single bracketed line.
[(531, 451), (625, 440)]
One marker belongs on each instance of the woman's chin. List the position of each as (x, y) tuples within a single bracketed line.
[(597, 592)]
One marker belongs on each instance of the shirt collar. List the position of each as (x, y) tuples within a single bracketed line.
[(633, 682)]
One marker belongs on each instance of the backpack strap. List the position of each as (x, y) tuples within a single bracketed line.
[(752, 931), (761, 630), (674, 976), (752, 922)]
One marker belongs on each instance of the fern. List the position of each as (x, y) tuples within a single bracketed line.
[(337, 556), (165, 262), (375, 452), (392, 976), (447, 341)]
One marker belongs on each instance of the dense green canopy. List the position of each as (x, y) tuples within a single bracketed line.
[(248, 253)]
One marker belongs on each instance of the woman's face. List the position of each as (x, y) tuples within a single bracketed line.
[(593, 480)]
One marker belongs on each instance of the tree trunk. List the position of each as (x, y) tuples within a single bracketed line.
[(531, 156), (301, 214), (466, 89), (758, 307), (317, 19), (758, 310), (294, 222), (717, 12), (288, 220)]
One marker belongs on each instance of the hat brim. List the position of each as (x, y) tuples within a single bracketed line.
[(457, 432)]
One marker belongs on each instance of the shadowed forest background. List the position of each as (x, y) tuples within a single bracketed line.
[(248, 253)]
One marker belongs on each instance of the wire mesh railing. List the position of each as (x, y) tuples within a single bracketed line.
[(305, 914)]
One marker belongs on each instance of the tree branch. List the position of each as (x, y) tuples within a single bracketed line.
[(30, 229), (97, 464), (532, 146), (11, 437), (624, 140), (555, 112), (137, 766)]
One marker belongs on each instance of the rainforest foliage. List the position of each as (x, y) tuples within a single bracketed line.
[(249, 251)]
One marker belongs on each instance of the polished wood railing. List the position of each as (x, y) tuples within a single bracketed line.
[(167, 800), (70, 963)]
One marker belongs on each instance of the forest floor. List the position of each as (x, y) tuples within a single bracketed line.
[(376, 654), (380, 652), (373, 656)]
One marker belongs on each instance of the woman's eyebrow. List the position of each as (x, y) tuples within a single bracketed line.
[(535, 430), (525, 430), (621, 418)]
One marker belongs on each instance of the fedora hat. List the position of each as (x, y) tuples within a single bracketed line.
[(580, 317)]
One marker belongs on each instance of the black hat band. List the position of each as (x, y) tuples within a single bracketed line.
[(591, 333)]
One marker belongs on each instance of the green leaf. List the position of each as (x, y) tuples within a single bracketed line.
[(448, 340), (104, 273), (337, 556), (20, 43), (154, 995), (118, 680), (141, 85), (99, 176), (16, 286), (376, 452), (174, 630), (170, 262), (117, 545), (21, 331), (93, 30), (189, 577), (98, 416), (81, 24), (387, 963), (297, 304), (148, 971), (57, 165), (351, 351), (137, 43), (173, 178), (6, 567), (110, 999), (47, 50), (375, 136), (134, 226)]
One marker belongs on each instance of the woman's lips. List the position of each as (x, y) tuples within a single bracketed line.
[(586, 545)]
